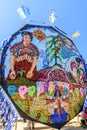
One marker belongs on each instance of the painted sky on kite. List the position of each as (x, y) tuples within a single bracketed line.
[(70, 17)]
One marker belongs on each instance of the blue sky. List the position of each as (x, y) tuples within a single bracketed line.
[(71, 17)]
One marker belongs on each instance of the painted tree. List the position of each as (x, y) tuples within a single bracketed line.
[(51, 49)]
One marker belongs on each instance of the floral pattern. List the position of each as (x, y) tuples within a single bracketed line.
[(40, 35)]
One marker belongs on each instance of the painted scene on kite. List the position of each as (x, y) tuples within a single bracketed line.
[(44, 75)]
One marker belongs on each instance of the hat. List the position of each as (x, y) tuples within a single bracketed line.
[(72, 64), (78, 60), (27, 33)]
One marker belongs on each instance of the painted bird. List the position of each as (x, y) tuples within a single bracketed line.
[(76, 34)]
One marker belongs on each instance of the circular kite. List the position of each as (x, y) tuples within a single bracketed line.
[(43, 73)]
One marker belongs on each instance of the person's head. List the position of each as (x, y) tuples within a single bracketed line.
[(79, 62), (73, 65), (86, 110), (27, 37), (57, 94)]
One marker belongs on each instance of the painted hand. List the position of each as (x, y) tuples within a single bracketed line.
[(12, 75), (29, 74)]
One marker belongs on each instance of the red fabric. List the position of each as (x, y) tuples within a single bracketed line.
[(17, 50), (25, 65)]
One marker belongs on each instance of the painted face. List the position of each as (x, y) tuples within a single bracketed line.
[(81, 65), (26, 40), (74, 69)]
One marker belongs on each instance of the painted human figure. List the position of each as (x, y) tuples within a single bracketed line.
[(58, 103), (23, 58), (74, 70), (80, 71)]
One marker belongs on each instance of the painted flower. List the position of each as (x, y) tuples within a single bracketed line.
[(12, 89), (40, 35)]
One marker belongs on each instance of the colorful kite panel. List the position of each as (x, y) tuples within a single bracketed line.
[(45, 79)]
